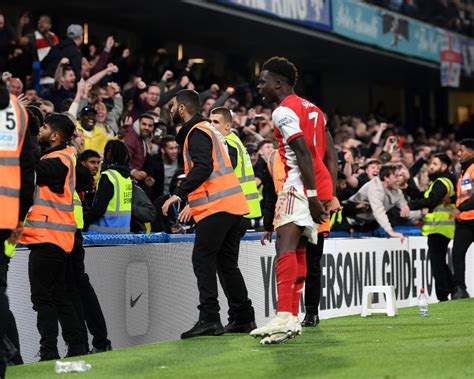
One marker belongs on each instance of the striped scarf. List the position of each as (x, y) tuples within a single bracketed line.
[(43, 45)]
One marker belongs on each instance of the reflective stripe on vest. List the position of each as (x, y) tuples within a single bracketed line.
[(78, 213), (56, 204), (51, 219), (439, 220), (465, 189), (336, 217), (9, 161), (221, 192), (245, 174), (12, 136), (117, 217)]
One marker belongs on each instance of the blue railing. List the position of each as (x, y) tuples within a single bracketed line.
[(138, 239)]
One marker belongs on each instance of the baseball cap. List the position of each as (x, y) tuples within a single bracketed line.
[(88, 109), (74, 30)]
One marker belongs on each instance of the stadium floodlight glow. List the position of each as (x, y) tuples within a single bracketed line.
[(257, 68), (198, 60), (86, 33), (180, 52)]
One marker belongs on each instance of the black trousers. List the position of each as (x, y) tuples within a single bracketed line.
[(47, 272), (313, 288), (7, 321), (438, 249), (216, 250), (245, 224), (463, 237), (83, 297)]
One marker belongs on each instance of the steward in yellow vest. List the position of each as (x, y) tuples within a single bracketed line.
[(111, 211), (221, 119), (217, 203), (244, 172), (438, 222)]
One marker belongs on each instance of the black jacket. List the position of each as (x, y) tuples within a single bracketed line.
[(105, 192), (200, 150), (64, 49), (411, 191), (143, 210), (437, 194), (52, 172), (154, 167), (269, 200)]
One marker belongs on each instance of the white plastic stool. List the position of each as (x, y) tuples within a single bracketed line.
[(390, 303)]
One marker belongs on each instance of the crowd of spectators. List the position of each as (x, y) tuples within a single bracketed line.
[(455, 15), (111, 100)]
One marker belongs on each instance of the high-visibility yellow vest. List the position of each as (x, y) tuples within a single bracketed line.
[(439, 220), (78, 213), (117, 217), (246, 176), (336, 217)]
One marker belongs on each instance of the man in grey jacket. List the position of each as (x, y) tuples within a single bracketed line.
[(375, 198)]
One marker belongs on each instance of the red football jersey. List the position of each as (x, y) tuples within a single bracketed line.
[(296, 117)]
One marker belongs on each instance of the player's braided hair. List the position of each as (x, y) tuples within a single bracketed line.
[(283, 67)]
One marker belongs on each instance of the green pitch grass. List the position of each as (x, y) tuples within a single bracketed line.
[(406, 346)]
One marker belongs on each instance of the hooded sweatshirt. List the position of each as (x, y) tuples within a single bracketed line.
[(137, 146)]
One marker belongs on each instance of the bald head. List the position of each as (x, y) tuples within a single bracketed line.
[(16, 86)]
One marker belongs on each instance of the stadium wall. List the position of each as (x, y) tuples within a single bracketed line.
[(148, 292)]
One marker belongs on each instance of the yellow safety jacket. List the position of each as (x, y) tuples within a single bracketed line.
[(439, 220), (246, 176), (117, 217)]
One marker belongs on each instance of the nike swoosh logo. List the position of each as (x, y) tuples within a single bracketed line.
[(133, 302)]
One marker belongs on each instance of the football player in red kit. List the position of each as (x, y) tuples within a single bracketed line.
[(298, 209)]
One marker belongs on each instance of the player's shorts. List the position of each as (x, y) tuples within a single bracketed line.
[(293, 207)]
